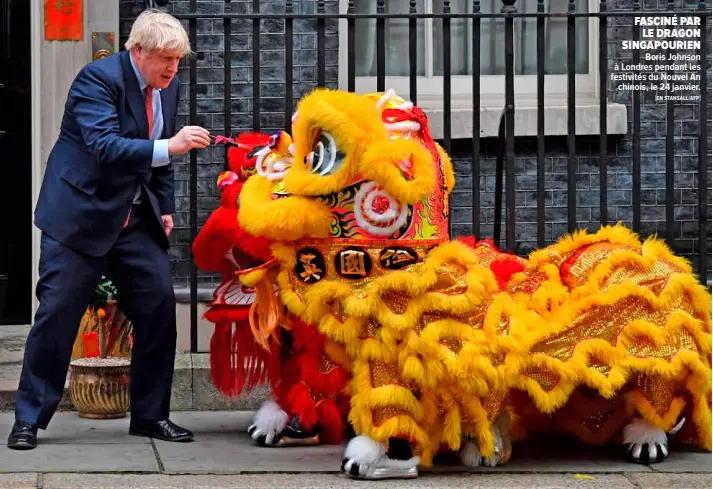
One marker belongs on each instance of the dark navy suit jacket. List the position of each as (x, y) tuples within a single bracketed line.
[(103, 152)]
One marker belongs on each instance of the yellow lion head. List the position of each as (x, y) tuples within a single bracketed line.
[(357, 167)]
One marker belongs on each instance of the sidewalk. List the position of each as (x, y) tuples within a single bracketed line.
[(83, 453)]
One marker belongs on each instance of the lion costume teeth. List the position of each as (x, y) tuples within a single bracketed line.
[(445, 339)]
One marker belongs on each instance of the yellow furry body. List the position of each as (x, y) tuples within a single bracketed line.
[(436, 348), (593, 330)]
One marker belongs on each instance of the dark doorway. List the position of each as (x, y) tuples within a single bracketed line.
[(15, 163)]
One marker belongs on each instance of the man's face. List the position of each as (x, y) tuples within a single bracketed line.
[(158, 67)]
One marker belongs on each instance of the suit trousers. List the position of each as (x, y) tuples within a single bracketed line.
[(140, 269)]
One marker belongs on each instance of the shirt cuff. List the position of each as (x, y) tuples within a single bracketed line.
[(160, 153)]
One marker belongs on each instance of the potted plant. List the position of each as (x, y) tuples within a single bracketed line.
[(100, 367)]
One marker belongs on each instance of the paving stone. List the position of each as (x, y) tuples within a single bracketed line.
[(331, 481), (230, 451), (672, 481), (18, 481), (222, 447), (685, 461), (60, 457), (12, 343), (69, 428), (226, 423)]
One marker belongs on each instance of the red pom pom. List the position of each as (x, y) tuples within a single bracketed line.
[(504, 268)]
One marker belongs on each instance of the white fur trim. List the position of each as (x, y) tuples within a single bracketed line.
[(364, 451), (367, 219), (276, 168), (269, 421), (385, 98), (260, 159), (639, 432), (403, 126)]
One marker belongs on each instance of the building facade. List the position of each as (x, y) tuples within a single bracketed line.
[(210, 94), (54, 64)]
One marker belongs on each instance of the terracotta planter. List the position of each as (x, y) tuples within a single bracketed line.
[(99, 387)]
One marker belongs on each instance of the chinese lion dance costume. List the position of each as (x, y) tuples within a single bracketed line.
[(453, 345)]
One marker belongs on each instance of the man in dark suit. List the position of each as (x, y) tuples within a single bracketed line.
[(105, 208)]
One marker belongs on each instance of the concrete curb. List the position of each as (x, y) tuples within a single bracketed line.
[(193, 389)]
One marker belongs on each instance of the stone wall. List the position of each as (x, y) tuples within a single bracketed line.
[(619, 182)]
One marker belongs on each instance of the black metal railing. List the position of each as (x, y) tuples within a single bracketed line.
[(505, 166)]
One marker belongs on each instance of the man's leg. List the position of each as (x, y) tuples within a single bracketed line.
[(142, 273), (66, 283)]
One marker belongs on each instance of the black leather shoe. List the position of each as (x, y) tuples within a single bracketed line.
[(23, 436), (165, 430)]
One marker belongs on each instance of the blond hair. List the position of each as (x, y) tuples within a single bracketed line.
[(156, 30)]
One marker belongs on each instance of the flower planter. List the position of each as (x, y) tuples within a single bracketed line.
[(100, 369), (99, 387)]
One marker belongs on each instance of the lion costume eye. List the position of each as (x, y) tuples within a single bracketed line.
[(326, 158)]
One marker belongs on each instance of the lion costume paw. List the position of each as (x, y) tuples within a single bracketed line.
[(268, 424), (470, 454), (365, 458), (647, 444)]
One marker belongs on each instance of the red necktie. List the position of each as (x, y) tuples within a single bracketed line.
[(149, 115), (149, 108)]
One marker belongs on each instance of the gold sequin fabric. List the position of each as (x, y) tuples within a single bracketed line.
[(326, 365), (437, 346)]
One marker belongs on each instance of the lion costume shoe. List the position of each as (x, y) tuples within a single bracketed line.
[(454, 345)]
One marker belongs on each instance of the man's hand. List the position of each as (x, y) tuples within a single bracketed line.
[(167, 223), (188, 138)]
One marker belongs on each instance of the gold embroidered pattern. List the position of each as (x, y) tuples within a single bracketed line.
[(384, 374), (547, 380), (657, 390), (395, 300), (382, 414), (325, 364)]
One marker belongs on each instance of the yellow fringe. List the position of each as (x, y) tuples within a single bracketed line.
[(497, 351)]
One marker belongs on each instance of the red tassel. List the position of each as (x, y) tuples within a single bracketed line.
[(220, 358), (237, 363)]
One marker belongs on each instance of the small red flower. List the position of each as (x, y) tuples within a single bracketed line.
[(380, 204)]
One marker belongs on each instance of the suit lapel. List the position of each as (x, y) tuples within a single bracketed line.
[(134, 96)]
